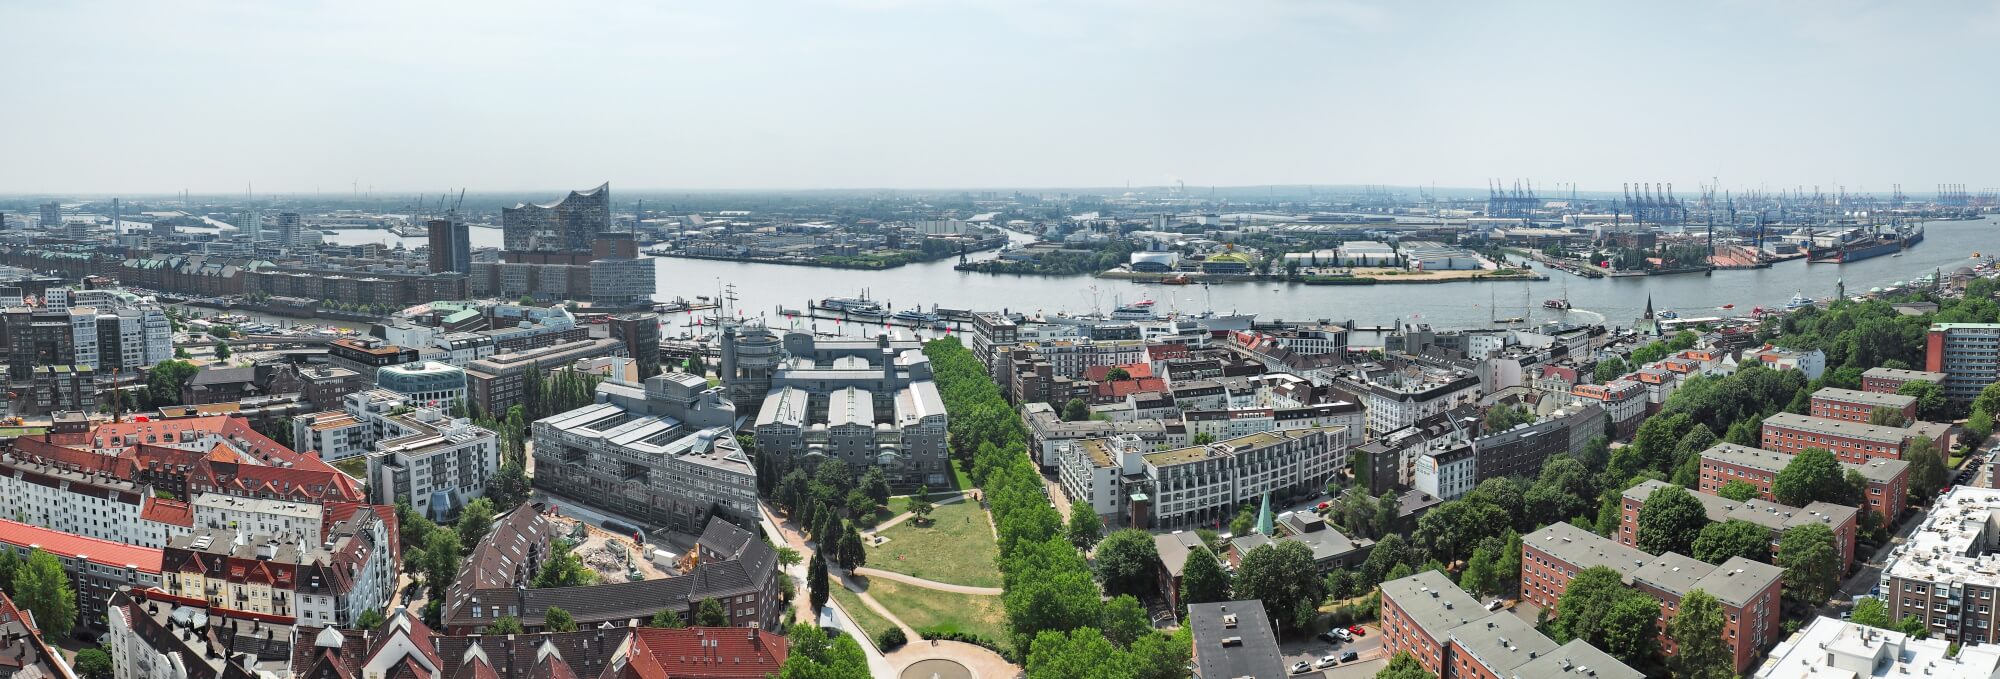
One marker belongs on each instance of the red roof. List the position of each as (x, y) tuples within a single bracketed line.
[(1123, 388), (172, 512), (1097, 373), (106, 552), (730, 653)]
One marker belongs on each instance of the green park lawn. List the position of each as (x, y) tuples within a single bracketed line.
[(927, 609), (956, 546), (871, 623)]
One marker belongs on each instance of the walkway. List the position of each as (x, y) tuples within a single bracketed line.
[(878, 664), (983, 663), (927, 584)]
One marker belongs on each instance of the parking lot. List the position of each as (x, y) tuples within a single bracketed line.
[(1366, 647)]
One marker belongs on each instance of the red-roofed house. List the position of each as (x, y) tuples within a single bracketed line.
[(701, 653)]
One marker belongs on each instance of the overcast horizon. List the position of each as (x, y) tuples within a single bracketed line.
[(112, 97)]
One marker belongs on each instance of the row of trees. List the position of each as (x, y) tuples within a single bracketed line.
[(1058, 620)]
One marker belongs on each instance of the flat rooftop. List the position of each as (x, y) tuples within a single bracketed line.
[(1953, 545)]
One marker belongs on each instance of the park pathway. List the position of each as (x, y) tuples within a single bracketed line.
[(905, 516), (927, 584)]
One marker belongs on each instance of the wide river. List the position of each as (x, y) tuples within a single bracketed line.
[(762, 288)]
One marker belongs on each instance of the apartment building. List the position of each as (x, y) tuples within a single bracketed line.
[(1199, 485), (436, 462), (96, 568), (1855, 442), (1968, 354), (1624, 403), (1887, 481), (1452, 635), (1446, 471), (1776, 518), (1098, 471), (1857, 406), (1890, 380), (1838, 648), (1399, 398), (1221, 424), (1520, 451), (1748, 590), (1944, 572), (332, 582), (147, 639)]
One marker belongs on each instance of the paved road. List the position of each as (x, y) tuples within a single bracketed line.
[(1310, 650)]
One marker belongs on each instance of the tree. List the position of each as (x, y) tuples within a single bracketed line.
[(1872, 612), (10, 563), (1608, 369), (1617, 619), (1811, 562), (710, 614), (1979, 424), (1887, 417), (562, 568), (853, 553), (1083, 654), (1670, 521), (1931, 403), (875, 484), (165, 380), (557, 620), (1124, 620), (510, 487), (1202, 579), (1245, 521), (1075, 411), (1391, 550), (1160, 656), (93, 663), (1735, 537), (920, 504), (1502, 418), (504, 625), (441, 560), (1927, 472), (815, 656), (1404, 666), (1284, 577), (1563, 491), (1125, 561), (667, 620), (1739, 490), (1451, 530), (816, 582), (1697, 635), (1203, 438), (474, 520), (222, 351), (860, 505), (1084, 526), (1813, 476), (1116, 374), (1479, 576), (369, 620)]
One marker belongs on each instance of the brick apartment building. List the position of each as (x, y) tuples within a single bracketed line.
[(1747, 590), (1887, 480), (1889, 380), (1843, 520), (1857, 406), (1855, 442), (1452, 635)]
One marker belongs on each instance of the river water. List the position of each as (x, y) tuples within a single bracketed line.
[(762, 288)]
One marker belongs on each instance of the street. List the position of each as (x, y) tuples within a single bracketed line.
[(1309, 650)]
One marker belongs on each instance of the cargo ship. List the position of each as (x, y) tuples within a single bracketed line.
[(1866, 247)]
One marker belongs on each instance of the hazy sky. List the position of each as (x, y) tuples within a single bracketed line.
[(420, 96)]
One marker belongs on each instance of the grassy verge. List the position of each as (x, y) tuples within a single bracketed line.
[(871, 623), (956, 546), (925, 609)]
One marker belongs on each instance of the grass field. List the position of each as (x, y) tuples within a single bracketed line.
[(870, 621), (924, 609), (956, 546)]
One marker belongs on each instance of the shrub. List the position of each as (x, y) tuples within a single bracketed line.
[(891, 639)]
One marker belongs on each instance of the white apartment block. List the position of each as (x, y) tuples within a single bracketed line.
[(438, 463), (1200, 485), (1445, 471), (259, 516)]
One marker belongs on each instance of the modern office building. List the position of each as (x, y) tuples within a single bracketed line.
[(450, 246), (366, 355), (1199, 485), (427, 383), (435, 462), (640, 332), (663, 453), (867, 409), (619, 277), (1968, 354), (40, 336), (493, 384)]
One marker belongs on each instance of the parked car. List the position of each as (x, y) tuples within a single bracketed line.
[(1341, 634), (1328, 637), (1327, 661), (1350, 656), (1301, 667), (1495, 605), (1358, 631)]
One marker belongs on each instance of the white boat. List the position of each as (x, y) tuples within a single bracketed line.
[(1799, 301)]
